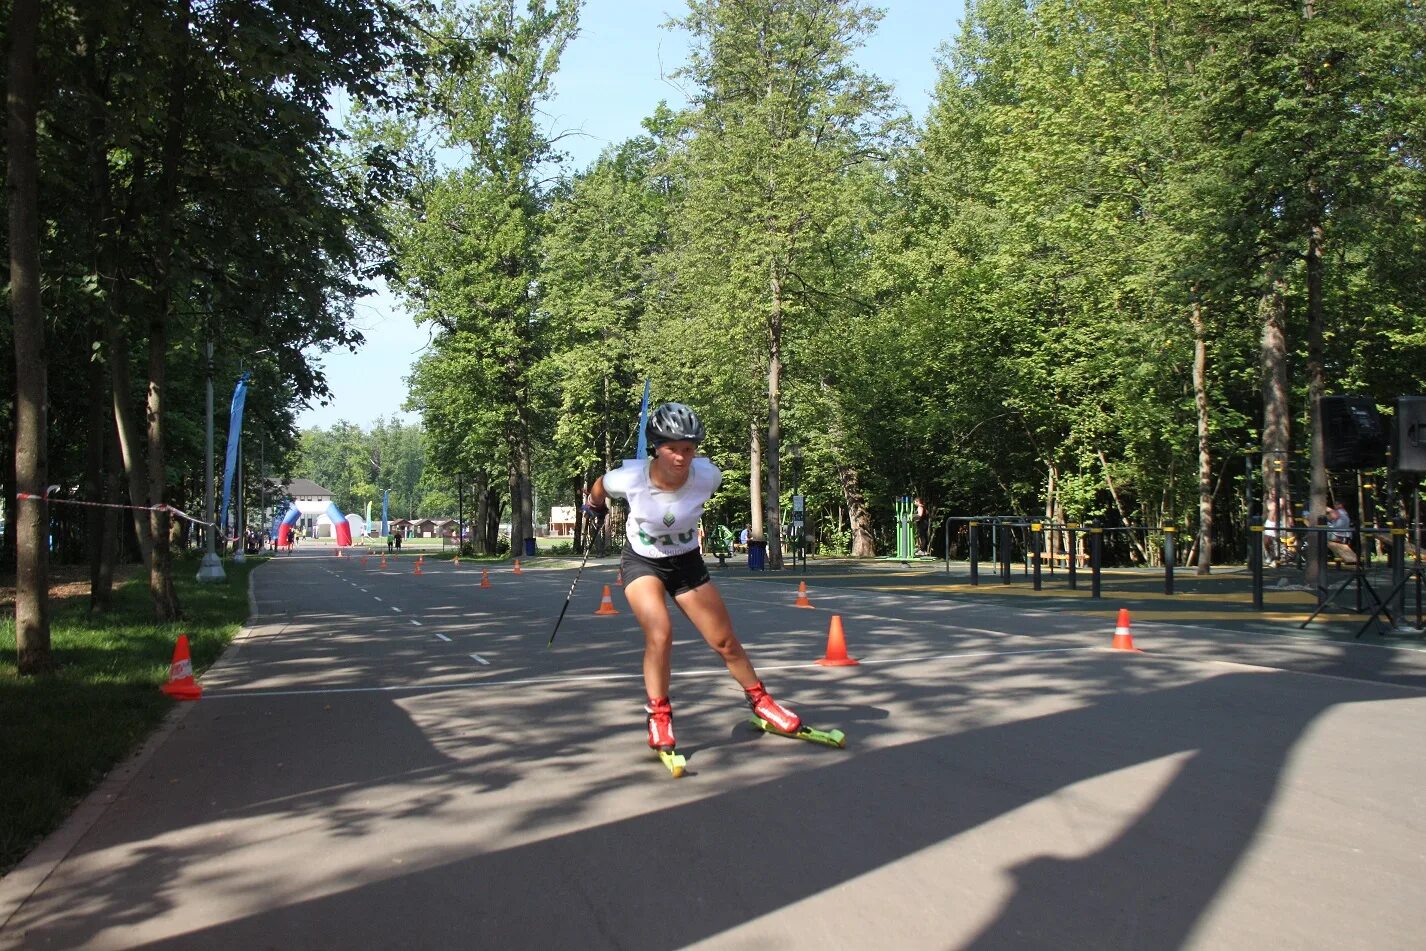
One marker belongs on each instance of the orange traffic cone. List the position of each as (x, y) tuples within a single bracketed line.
[(802, 601), (420, 559), (1123, 638), (456, 559), (606, 605), (417, 569), (363, 561), (383, 561), (485, 577), (181, 685), (518, 569), (621, 577), (837, 647)]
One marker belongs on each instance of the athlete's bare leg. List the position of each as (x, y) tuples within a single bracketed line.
[(646, 596), (705, 608)]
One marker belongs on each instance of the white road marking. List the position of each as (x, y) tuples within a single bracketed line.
[(377, 596), (480, 660), (362, 590), (443, 637), (396, 609), (415, 622), (710, 672)]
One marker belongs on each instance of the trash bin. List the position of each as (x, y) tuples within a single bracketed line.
[(757, 555), (529, 547)]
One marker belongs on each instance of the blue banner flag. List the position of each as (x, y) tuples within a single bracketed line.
[(235, 430), (385, 497), (643, 450)]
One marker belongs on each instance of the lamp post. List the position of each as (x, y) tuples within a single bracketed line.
[(211, 567)]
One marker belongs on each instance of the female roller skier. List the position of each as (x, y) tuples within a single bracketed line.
[(666, 494)]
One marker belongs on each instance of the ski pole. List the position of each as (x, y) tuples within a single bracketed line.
[(588, 548)]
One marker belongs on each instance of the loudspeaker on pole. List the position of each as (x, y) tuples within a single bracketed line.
[(1408, 450), (1352, 433)]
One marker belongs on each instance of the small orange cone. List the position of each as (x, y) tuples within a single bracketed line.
[(621, 577), (485, 577), (837, 647), (417, 569), (363, 561), (181, 685), (383, 561), (606, 605), (457, 560), (1123, 637), (802, 601), (420, 559), (518, 569)]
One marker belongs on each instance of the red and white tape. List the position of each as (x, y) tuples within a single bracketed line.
[(24, 496)]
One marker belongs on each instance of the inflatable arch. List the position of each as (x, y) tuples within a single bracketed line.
[(340, 526)]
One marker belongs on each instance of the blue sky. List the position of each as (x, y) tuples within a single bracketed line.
[(613, 75)]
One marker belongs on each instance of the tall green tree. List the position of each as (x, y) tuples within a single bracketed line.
[(32, 629), (780, 118), (468, 239)]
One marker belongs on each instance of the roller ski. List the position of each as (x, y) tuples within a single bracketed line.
[(661, 739), (772, 717)]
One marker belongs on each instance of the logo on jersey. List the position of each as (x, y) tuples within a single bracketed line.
[(669, 518)]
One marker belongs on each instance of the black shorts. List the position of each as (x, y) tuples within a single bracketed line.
[(679, 573)]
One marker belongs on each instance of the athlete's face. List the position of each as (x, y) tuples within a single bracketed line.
[(678, 455)]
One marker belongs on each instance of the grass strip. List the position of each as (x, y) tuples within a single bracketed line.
[(61, 733)]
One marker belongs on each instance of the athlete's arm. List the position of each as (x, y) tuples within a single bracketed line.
[(597, 498)]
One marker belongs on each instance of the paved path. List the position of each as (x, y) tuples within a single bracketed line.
[(393, 761)]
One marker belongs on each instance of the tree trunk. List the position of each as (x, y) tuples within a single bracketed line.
[(755, 481), (1205, 453), (161, 590), (96, 485), (1277, 415), (773, 502), (1316, 384), (1134, 542), (479, 540), (863, 543), (32, 623)]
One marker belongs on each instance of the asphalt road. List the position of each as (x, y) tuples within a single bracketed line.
[(392, 761)]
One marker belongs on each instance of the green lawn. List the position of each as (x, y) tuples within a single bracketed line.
[(60, 734)]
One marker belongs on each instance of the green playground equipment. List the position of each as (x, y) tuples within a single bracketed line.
[(905, 530), (720, 544)]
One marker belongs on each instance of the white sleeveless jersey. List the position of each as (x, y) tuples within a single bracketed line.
[(662, 524)]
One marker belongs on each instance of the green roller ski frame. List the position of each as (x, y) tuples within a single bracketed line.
[(835, 738), (674, 761)]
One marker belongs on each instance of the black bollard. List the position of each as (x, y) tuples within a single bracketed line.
[(1398, 567), (1036, 538), (974, 543), (1004, 553), (1073, 554), (1096, 555), (1319, 541), (1255, 559), (1170, 556)]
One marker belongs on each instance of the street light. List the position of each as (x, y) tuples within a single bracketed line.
[(211, 567)]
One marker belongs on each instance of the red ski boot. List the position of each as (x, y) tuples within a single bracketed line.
[(660, 719), (777, 716)]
